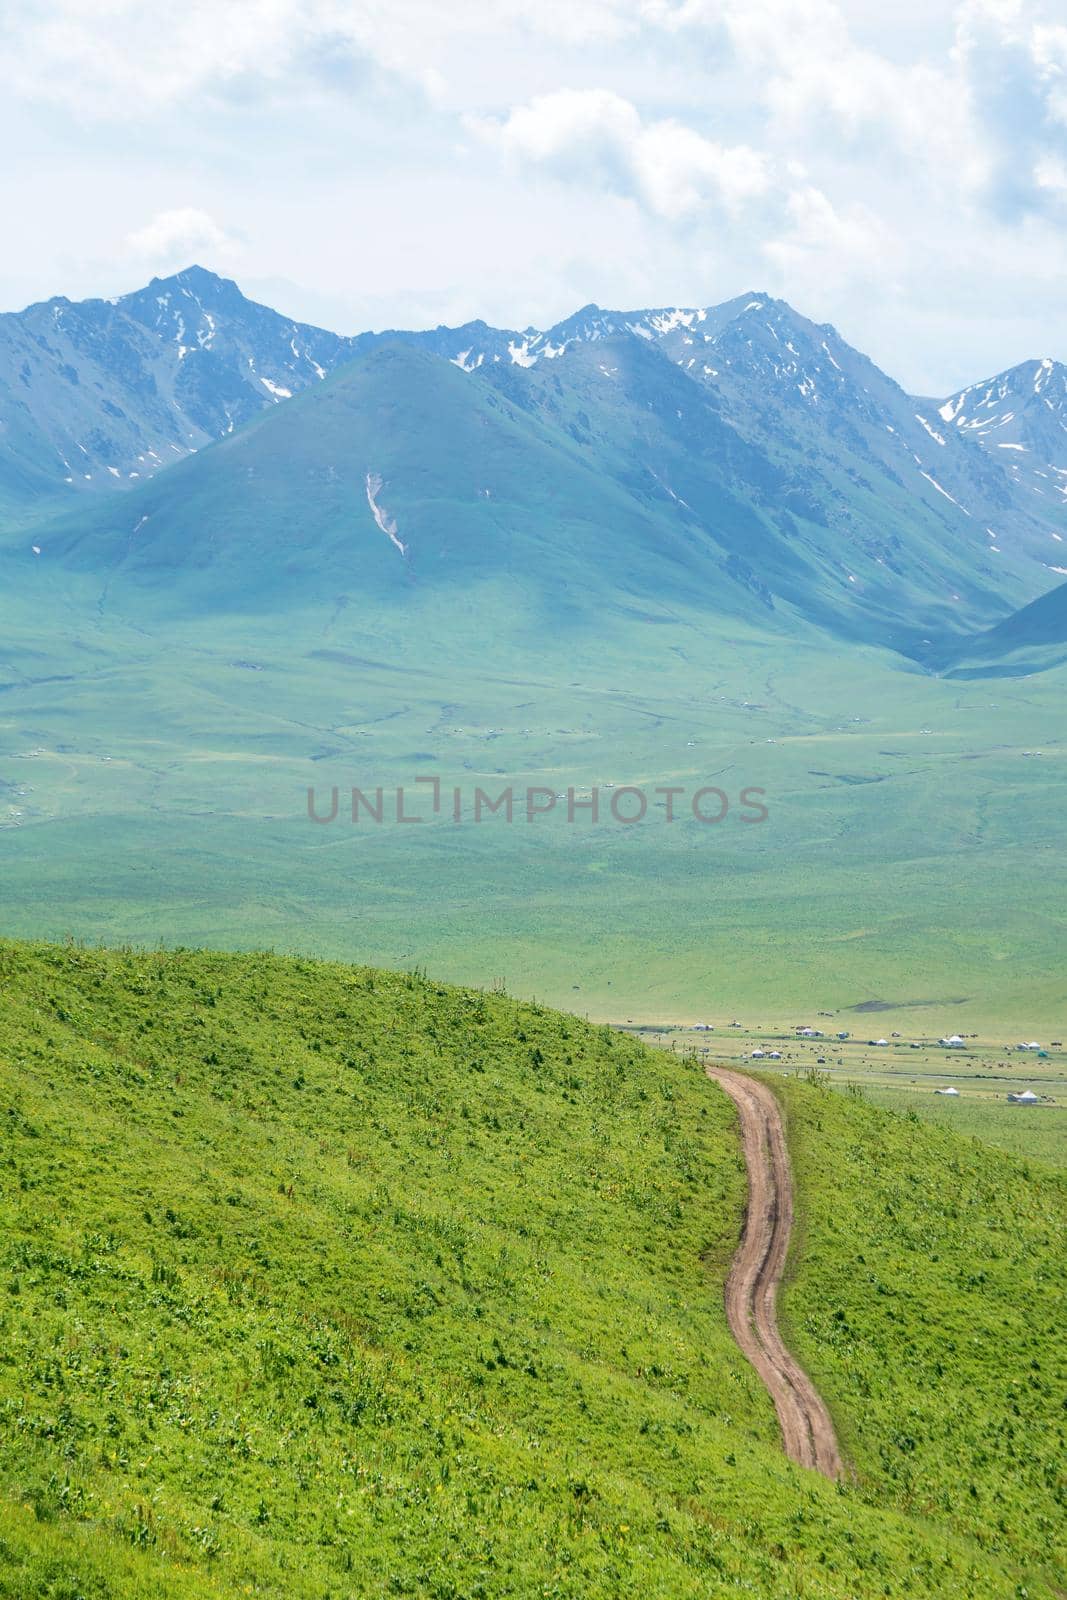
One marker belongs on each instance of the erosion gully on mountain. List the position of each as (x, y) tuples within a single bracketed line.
[(752, 1287)]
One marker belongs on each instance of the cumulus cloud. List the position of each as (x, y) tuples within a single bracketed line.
[(174, 238), (825, 253), (984, 117), (1013, 62), (120, 58), (803, 64), (595, 134), (853, 155)]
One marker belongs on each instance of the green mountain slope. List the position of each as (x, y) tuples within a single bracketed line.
[(1032, 639), (603, 483), (924, 1299), (861, 553), (475, 489), (325, 1282)]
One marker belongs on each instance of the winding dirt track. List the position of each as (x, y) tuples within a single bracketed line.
[(752, 1287)]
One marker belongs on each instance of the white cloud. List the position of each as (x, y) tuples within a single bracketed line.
[(822, 77), (982, 118), (573, 21), (176, 237), (115, 59), (824, 254), (595, 134), (801, 61), (1050, 179), (1013, 63), (901, 170), (118, 59)]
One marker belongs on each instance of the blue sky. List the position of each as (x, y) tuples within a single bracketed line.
[(899, 170)]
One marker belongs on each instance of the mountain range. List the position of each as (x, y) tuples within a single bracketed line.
[(1020, 418), (102, 393), (571, 559), (736, 461)]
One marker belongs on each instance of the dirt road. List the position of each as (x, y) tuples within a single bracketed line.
[(752, 1287)]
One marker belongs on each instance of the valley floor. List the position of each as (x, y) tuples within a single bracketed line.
[(914, 854), (910, 1073)]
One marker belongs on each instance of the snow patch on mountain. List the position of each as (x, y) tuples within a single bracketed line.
[(944, 491), (937, 437), (385, 522), (1022, 412)]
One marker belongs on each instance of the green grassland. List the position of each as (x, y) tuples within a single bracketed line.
[(905, 1074), (1042, 1136), (927, 1266), (319, 1282), (179, 665), (914, 853)]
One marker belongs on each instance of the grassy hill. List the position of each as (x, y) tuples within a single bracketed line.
[(560, 500), (1032, 639), (928, 1271), (479, 490), (319, 1281)]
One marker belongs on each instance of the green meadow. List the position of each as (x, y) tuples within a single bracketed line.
[(154, 783), (926, 1273), (909, 1075), (318, 1281), (1026, 1131)]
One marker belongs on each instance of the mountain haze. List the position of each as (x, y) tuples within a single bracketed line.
[(396, 477), (590, 568), (604, 483), (707, 464)]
